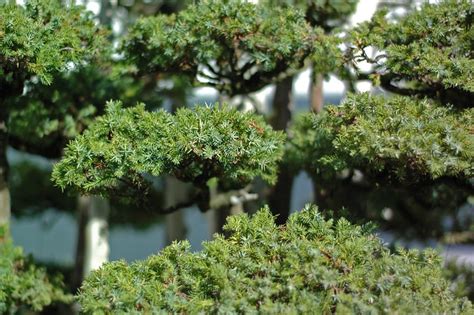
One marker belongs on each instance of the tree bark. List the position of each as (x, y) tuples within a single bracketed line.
[(175, 192), (5, 208), (316, 92), (92, 248), (279, 197), (78, 273), (97, 235)]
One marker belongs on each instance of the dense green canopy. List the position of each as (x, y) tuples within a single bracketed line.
[(429, 52), (311, 265), (326, 14), (236, 46), (41, 38), (397, 139), (194, 145)]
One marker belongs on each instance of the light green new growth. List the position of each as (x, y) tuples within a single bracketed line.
[(309, 266), (194, 145)]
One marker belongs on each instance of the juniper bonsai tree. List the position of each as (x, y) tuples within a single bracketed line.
[(38, 40), (422, 139), (117, 153), (235, 46), (311, 265)]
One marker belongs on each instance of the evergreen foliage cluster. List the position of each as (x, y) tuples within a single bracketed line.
[(399, 139), (429, 52), (42, 38), (194, 145), (311, 265), (23, 285), (235, 46)]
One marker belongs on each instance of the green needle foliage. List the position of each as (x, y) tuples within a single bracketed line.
[(42, 38), (23, 286), (429, 52), (234, 46), (45, 118), (397, 139), (195, 145), (310, 266)]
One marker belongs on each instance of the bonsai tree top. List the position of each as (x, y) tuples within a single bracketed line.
[(235, 46)]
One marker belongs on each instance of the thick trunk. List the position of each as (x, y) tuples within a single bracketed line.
[(176, 192), (97, 235), (282, 104), (216, 220), (92, 246), (279, 198), (217, 214), (316, 92)]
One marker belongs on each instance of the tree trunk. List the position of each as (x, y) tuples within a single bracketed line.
[(316, 92), (280, 195), (282, 104), (92, 248), (78, 273), (175, 192), (97, 235), (215, 220), (5, 209)]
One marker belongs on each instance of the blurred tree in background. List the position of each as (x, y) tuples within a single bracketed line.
[(330, 16), (242, 55)]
